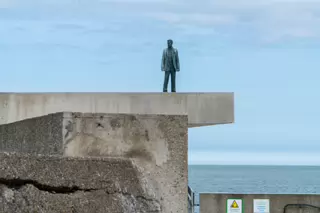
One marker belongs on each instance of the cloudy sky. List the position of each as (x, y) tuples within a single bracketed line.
[(266, 51)]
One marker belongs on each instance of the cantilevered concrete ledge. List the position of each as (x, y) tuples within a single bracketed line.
[(203, 109)]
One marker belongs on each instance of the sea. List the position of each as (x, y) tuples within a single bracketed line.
[(254, 179)]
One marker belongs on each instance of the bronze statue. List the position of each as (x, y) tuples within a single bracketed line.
[(170, 65)]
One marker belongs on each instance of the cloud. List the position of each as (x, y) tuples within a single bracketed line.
[(194, 18), (263, 20), (7, 3), (271, 20)]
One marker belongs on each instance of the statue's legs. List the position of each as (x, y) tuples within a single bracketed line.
[(166, 81), (173, 81)]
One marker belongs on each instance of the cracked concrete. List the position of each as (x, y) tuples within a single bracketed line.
[(29, 199), (156, 144), (19, 183), (36, 183)]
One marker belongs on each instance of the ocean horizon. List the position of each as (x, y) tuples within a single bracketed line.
[(254, 179)]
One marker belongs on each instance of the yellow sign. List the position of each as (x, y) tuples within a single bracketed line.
[(234, 205)]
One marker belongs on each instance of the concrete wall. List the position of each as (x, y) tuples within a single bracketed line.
[(157, 144), (202, 108), (52, 184), (42, 135), (216, 203)]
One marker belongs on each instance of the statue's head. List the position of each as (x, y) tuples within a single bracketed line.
[(170, 42)]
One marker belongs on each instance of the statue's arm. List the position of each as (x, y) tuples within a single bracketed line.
[(177, 61), (163, 60)]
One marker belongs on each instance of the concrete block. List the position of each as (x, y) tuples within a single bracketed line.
[(279, 203), (157, 144), (51, 184), (202, 108)]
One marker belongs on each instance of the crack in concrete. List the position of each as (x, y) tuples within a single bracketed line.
[(18, 183)]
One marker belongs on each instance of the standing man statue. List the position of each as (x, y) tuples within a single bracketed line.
[(170, 65)]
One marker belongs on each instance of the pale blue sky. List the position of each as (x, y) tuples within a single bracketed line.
[(267, 52)]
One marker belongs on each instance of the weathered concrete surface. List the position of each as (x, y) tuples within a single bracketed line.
[(202, 108), (42, 135), (216, 203), (30, 183), (156, 143)]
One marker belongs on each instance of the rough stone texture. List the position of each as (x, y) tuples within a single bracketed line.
[(37, 135), (216, 203), (30, 183), (156, 143), (202, 108)]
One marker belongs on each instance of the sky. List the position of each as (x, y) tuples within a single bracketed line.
[(265, 51)]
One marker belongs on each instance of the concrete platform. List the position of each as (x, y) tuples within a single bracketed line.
[(37, 183), (156, 144), (203, 109)]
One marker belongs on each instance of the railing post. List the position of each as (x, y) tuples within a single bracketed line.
[(191, 200)]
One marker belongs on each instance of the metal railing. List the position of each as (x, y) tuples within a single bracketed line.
[(191, 200)]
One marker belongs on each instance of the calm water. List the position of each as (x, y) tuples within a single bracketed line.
[(255, 179)]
